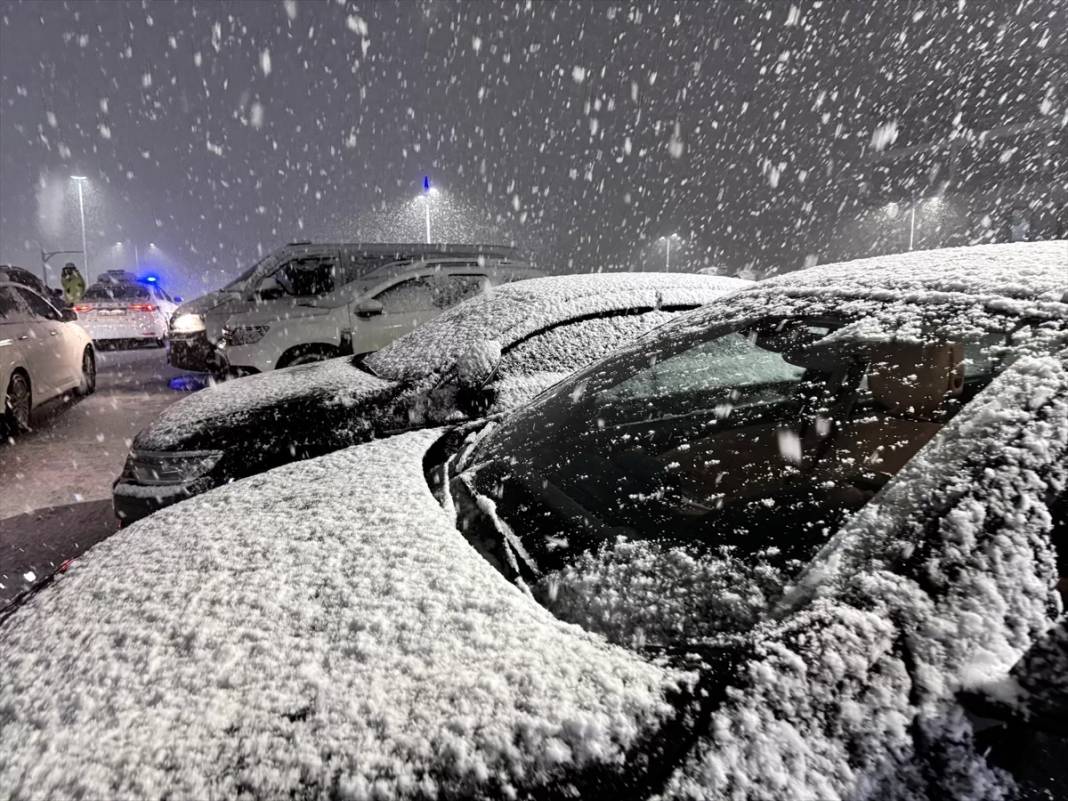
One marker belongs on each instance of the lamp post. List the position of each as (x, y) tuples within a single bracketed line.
[(667, 250), (79, 180), (428, 192)]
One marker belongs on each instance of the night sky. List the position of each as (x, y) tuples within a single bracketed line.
[(579, 131)]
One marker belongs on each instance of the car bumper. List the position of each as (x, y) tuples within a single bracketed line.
[(128, 327), (194, 352)]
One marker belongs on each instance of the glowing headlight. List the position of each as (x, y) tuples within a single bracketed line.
[(187, 324), (154, 468), (245, 334)]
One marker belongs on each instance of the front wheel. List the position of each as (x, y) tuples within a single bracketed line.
[(88, 382), (17, 404)]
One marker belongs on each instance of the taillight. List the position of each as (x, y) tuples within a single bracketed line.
[(142, 307), (82, 307)]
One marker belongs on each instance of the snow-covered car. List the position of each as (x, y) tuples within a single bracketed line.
[(121, 311), (44, 353), (308, 302), (398, 619), (487, 354)]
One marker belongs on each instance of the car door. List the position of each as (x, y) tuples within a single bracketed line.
[(55, 346), (404, 305), (931, 593), (14, 334)]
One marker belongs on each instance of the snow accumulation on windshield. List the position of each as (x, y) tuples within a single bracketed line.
[(231, 402), (288, 637), (510, 312)]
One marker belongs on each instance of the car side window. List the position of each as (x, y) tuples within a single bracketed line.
[(415, 294), (38, 306), (307, 275), (8, 307), (448, 290)]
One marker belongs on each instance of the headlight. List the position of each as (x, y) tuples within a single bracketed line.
[(154, 468), (187, 324), (244, 334)]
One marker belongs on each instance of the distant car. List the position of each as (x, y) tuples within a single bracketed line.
[(484, 355), (802, 543), (122, 311), (44, 353), (308, 302)]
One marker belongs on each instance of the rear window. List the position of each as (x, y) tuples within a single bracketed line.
[(116, 292)]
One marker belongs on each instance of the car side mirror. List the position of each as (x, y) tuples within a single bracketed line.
[(477, 364), (68, 315), (368, 308)]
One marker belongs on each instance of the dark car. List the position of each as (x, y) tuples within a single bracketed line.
[(487, 354), (802, 543)]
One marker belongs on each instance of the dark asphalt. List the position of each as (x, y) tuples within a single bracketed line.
[(35, 545)]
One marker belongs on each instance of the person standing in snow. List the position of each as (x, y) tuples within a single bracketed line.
[(73, 283)]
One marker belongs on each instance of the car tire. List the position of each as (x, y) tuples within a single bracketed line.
[(306, 354), (18, 402), (88, 382)]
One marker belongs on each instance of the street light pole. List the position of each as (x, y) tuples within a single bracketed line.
[(912, 224), (426, 203), (79, 179), (137, 258)]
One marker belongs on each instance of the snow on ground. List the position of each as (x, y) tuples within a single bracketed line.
[(77, 448), (294, 633)]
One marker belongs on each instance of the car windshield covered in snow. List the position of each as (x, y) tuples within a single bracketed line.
[(716, 458)]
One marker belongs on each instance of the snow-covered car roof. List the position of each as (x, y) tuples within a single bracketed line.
[(512, 311), (1033, 271), (285, 636)]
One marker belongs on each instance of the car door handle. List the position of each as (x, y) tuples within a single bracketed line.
[(23, 337)]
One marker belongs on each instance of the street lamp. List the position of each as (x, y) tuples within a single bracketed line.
[(667, 250), (79, 180), (428, 192)]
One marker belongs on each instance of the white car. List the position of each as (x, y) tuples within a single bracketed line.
[(308, 302), (44, 353), (126, 311)]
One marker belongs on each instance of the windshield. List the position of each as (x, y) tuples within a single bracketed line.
[(715, 461), (238, 283)]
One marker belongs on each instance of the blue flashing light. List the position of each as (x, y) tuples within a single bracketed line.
[(426, 183), (151, 279)]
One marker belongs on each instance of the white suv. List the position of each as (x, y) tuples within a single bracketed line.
[(307, 302)]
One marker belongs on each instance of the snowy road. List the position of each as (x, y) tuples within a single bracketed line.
[(55, 482)]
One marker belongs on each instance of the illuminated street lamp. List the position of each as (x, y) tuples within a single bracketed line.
[(79, 180), (667, 250), (892, 210), (428, 192)]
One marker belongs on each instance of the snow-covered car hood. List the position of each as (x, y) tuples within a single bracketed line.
[(209, 302), (286, 636), (230, 403)]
